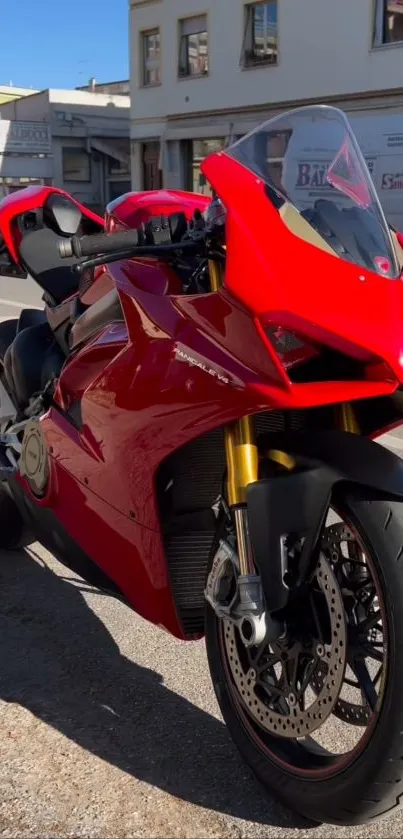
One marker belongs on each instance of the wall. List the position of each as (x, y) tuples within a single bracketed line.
[(95, 114), (324, 50), (98, 112), (117, 88), (25, 167), (34, 107), (9, 92)]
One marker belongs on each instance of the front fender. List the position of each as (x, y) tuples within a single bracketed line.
[(355, 459), (286, 513)]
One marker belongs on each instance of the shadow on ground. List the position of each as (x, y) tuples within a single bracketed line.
[(60, 662)]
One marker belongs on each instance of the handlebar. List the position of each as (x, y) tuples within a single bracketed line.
[(111, 247), (99, 243)]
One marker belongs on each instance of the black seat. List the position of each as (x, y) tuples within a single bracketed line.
[(32, 357), (9, 328), (40, 256), (106, 310), (23, 361), (30, 317), (8, 331)]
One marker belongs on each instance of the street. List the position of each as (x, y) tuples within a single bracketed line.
[(109, 728)]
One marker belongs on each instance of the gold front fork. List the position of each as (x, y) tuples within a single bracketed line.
[(216, 274), (242, 468), (346, 419)]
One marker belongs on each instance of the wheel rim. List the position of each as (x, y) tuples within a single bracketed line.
[(337, 668)]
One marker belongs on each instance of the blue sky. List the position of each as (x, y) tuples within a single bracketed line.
[(50, 43)]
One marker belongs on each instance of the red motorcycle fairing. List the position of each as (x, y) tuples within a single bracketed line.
[(287, 282), (135, 208), (24, 200), (177, 368), (126, 432)]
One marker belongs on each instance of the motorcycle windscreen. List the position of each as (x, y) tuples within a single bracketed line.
[(318, 180)]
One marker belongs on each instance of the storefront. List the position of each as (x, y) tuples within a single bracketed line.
[(9, 185), (150, 158), (174, 164), (199, 150)]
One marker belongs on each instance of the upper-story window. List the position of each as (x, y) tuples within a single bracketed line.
[(388, 22), (193, 46), (151, 54), (260, 38)]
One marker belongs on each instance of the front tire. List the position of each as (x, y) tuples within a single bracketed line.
[(367, 782)]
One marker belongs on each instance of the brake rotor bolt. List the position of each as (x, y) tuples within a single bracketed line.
[(252, 675), (320, 651), (292, 700)]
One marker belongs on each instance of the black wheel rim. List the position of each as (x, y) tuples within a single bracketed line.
[(334, 740)]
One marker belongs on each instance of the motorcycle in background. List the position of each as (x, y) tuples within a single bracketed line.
[(190, 424)]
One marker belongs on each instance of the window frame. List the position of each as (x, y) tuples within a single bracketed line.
[(185, 36), (379, 26), (252, 60), (76, 150), (218, 143), (144, 34)]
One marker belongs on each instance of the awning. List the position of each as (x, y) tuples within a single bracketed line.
[(111, 149)]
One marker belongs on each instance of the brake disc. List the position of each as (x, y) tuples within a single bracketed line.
[(349, 712), (259, 691)]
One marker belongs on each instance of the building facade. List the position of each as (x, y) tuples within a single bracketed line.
[(121, 88), (204, 72), (8, 92), (76, 140)]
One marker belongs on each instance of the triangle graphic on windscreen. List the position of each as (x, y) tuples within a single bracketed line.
[(347, 175)]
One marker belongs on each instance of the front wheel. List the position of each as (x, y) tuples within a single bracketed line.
[(318, 715)]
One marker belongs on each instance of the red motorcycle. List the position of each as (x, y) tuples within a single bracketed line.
[(189, 424)]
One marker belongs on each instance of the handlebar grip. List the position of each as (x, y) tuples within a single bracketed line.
[(97, 244)]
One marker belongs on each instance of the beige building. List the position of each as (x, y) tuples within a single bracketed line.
[(204, 71)]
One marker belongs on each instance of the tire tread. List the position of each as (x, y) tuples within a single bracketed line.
[(372, 787)]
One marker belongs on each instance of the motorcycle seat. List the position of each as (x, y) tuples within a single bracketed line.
[(40, 255), (23, 361), (8, 331), (30, 317)]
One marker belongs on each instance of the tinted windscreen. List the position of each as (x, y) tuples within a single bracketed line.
[(310, 159)]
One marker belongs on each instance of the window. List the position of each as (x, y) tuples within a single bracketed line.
[(151, 52), (388, 24), (200, 150), (193, 47), (260, 39), (76, 165), (117, 167), (118, 188)]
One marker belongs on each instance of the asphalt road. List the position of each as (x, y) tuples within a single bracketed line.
[(108, 727)]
